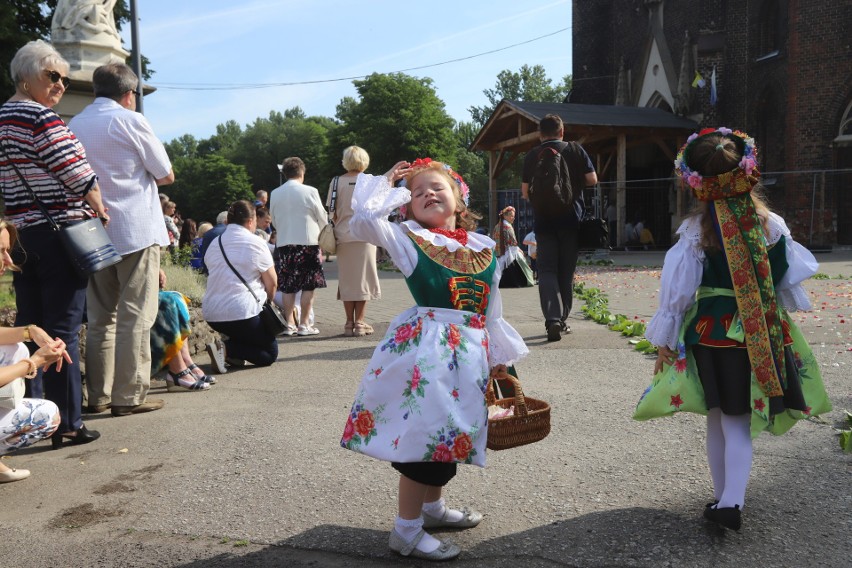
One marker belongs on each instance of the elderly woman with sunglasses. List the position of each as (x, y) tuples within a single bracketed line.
[(38, 154)]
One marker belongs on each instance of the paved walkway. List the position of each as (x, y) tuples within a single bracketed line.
[(251, 473)]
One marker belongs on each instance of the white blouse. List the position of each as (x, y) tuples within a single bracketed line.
[(684, 267), (373, 200)]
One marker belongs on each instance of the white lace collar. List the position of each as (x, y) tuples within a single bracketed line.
[(475, 241)]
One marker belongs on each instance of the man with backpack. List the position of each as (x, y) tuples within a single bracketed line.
[(554, 177)]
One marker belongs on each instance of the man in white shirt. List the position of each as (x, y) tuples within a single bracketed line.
[(122, 300)]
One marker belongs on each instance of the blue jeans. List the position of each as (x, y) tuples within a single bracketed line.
[(556, 259), (249, 340), (52, 295)]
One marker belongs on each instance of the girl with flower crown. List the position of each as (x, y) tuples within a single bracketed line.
[(726, 346), (421, 402)]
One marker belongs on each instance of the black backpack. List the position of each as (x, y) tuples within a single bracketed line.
[(551, 193)]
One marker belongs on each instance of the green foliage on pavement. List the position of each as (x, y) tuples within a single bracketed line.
[(846, 435), (596, 308)]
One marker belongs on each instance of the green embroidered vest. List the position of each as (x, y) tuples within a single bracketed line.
[(715, 313), (459, 280)]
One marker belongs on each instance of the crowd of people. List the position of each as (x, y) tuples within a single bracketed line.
[(735, 259)]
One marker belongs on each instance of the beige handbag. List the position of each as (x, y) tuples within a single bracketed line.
[(327, 241), (12, 393)]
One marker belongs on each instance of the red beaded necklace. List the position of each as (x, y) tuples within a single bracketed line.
[(459, 235)]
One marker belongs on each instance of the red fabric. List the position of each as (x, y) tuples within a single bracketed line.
[(459, 234)]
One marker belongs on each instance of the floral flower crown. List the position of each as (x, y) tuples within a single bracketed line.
[(421, 164), (747, 164)]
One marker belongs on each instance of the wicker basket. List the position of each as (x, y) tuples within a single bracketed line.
[(530, 422)]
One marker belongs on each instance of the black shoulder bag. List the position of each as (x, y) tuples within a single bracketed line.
[(87, 243), (272, 318)]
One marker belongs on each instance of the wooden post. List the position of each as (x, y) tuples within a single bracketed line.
[(621, 188), (492, 188)]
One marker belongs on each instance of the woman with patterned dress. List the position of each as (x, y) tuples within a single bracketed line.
[(421, 403), (23, 421), (726, 346), (517, 273)]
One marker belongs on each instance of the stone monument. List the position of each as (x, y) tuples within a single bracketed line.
[(84, 32)]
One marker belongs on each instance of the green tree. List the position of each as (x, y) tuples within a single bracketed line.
[(528, 84), (267, 141), (472, 166), (206, 185), (396, 117), (185, 146), (22, 21)]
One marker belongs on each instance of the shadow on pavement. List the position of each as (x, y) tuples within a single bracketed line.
[(623, 537)]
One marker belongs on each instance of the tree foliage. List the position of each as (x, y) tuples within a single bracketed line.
[(528, 84), (206, 185), (397, 117)]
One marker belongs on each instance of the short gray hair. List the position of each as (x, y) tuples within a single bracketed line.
[(33, 58), (113, 80), (221, 217), (355, 158)]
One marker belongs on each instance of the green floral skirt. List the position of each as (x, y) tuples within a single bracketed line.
[(677, 388)]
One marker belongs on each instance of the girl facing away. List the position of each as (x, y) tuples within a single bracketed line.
[(726, 346), (421, 403)]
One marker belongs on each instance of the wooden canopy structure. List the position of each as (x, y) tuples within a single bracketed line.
[(605, 131)]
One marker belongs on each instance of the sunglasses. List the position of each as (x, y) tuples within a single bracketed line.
[(55, 77)]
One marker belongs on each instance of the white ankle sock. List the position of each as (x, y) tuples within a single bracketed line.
[(408, 529), (439, 508)]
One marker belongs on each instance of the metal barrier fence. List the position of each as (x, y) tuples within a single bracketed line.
[(816, 204)]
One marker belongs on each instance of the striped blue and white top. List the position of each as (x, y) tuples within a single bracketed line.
[(52, 161)]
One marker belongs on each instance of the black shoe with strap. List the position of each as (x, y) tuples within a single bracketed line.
[(728, 517)]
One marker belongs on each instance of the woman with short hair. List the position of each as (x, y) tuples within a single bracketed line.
[(298, 216), (358, 278), (36, 145), (228, 305)]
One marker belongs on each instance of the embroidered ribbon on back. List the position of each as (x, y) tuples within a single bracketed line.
[(745, 248)]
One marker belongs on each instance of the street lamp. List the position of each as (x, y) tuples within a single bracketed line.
[(280, 174)]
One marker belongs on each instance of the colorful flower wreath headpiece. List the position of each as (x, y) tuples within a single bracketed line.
[(420, 164), (745, 175)]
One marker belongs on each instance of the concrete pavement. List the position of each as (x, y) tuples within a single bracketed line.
[(251, 472)]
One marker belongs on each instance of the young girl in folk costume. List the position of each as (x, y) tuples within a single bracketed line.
[(727, 347), (421, 404)]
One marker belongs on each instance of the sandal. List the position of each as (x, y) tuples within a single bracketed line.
[(206, 378), (347, 329), (361, 329), (178, 383)]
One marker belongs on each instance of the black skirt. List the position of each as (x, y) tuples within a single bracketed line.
[(725, 374)]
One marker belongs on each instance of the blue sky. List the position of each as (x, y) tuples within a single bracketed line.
[(193, 43)]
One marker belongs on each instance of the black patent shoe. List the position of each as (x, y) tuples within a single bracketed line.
[(82, 436), (728, 517)]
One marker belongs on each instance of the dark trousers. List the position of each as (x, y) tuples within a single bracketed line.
[(249, 340), (556, 257), (52, 295)]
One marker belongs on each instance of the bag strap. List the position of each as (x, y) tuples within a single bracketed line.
[(240, 276), (331, 205), (36, 200)]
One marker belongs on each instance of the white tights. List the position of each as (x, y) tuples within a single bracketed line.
[(729, 456)]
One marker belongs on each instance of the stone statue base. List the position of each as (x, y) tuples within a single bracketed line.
[(83, 57)]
